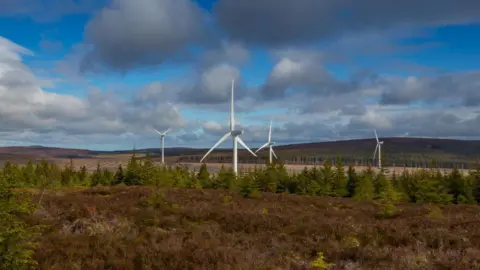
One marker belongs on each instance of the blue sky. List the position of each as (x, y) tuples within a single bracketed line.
[(311, 73)]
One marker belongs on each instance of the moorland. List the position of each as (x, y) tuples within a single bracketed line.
[(150, 216)]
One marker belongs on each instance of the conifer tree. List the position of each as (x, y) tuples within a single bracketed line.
[(432, 190), (96, 177), (339, 187), (107, 177), (16, 236), (352, 181), (387, 197), (147, 171), (303, 181), (283, 179), (326, 179), (132, 174), (118, 178), (365, 189), (29, 174), (204, 176)]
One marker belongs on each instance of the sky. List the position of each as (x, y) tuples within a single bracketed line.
[(101, 74)]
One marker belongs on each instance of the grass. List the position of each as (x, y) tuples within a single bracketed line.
[(143, 228)]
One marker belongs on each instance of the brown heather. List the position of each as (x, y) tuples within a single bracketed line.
[(139, 228)]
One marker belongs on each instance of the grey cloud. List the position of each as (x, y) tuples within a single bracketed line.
[(213, 85), (301, 73), (421, 123), (225, 52), (128, 34), (281, 22), (459, 88)]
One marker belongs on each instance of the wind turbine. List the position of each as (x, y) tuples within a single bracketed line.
[(269, 144), (379, 148), (163, 142), (235, 134)]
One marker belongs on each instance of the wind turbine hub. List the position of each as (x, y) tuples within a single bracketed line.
[(237, 132)]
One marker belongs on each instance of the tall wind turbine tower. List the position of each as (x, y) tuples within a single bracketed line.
[(270, 144), (379, 148), (235, 134), (162, 134)]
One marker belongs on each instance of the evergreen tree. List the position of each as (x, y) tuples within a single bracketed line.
[(107, 177), (460, 188), (283, 179), (432, 190), (29, 174), (339, 187), (204, 176), (303, 181), (118, 178), (387, 197), (82, 174), (132, 175), (327, 177), (96, 178), (352, 181), (147, 171), (365, 189), (16, 236)]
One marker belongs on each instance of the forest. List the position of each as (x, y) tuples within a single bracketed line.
[(45, 210)]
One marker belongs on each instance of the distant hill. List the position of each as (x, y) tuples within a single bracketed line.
[(398, 151)]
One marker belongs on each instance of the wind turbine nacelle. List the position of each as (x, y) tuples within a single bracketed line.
[(272, 143), (237, 132)]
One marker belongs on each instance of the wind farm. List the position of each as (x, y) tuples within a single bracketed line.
[(239, 134)]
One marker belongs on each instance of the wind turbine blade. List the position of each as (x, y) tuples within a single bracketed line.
[(273, 152), (270, 132), (245, 146), (158, 132), (376, 137), (232, 117), (168, 130), (375, 152), (261, 147), (215, 145)]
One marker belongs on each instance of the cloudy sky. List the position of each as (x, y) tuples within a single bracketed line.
[(100, 74)]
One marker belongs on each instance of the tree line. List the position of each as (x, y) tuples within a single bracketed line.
[(387, 161), (328, 179)]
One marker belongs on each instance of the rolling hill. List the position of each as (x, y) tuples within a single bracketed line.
[(396, 151)]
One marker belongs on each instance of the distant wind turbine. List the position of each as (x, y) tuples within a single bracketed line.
[(270, 144), (162, 134), (379, 148), (235, 134)]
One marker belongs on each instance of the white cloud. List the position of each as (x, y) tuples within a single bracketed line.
[(25, 105)]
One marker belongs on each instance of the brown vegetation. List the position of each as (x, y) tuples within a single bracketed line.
[(133, 228)]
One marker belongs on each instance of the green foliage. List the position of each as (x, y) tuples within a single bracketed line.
[(320, 262), (16, 237), (365, 189), (352, 181), (339, 185), (387, 197), (203, 177)]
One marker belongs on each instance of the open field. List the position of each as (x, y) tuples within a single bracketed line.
[(112, 163), (116, 228)]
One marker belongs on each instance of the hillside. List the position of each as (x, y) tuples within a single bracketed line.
[(134, 228), (396, 151)]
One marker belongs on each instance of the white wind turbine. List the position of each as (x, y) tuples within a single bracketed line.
[(270, 144), (235, 134), (379, 148), (162, 134)]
